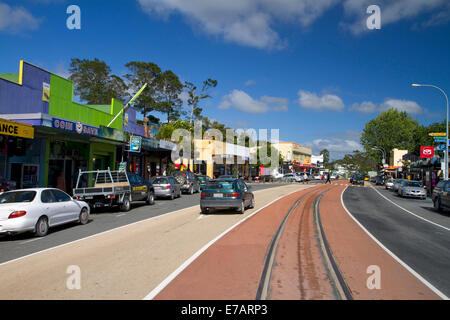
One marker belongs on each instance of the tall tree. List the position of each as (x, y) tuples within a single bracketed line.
[(168, 93), (94, 83), (326, 156), (194, 97), (390, 129), (140, 74)]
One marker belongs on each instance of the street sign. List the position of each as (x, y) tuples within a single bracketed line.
[(426, 152), (437, 134), (135, 144), (441, 147)]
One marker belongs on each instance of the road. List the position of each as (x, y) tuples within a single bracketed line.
[(420, 236), (126, 262), (13, 247)]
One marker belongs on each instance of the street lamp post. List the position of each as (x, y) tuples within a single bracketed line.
[(446, 125), (382, 151)]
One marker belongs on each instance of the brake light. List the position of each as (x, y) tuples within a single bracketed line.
[(202, 195), (235, 194), (168, 187), (111, 196), (17, 214), (203, 182)]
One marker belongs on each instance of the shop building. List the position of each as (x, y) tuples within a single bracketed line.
[(68, 136)]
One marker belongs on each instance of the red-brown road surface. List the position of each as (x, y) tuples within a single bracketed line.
[(231, 268)]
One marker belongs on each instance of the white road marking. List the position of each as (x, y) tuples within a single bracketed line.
[(180, 269), (31, 240), (415, 215), (120, 215), (411, 270)]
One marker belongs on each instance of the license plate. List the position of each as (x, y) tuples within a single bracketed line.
[(88, 198), (157, 188), (218, 195)]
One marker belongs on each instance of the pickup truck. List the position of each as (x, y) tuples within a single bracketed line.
[(105, 188)]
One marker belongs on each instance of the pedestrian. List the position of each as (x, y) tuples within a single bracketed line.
[(328, 178)]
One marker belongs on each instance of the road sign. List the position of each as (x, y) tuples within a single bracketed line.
[(439, 139), (441, 147), (426, 152), (437, 134)]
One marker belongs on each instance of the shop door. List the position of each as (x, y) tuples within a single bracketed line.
[(16, 174)]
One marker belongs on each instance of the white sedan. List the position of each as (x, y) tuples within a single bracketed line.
[(38, 209)]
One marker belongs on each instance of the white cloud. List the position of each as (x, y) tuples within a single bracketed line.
[(250, 82), (391, 11), (365, 107), (338, 146), (243, 102), (245, 22), (312, 101), (410, 107), (16, 19)]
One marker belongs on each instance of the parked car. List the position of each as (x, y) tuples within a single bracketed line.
[(38, 209), (203, 180), (166, 187), (357, 179), (397, 183), (413, 189), (105, 188), (389, 184), (441, 195), (378, 180), (227, 176), (187, 180), (291, 177), (317, 176), (301, 176), (226, 193)]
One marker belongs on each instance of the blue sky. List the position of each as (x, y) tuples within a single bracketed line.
[(309, 68)]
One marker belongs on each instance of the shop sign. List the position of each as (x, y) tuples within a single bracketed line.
[(111, 133), (426, 152), (45, 92), (149, 143), (135, 143), (437, 134), (167, 145), (122, 166), (16, 129), (77, 127)]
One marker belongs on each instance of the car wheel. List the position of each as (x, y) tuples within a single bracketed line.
[(150, 198), (204, 210), (41, 228), (252, 203), (126, 204), (241, 209), (84, 216), (437, 204)]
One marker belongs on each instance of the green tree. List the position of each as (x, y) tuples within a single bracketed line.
[(194, 97), (139, 74), (168, 93), (326, 156), (165, 132), (390, 129), (357, 161), (94, 83)]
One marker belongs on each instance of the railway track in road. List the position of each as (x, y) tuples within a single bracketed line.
[(302, 223)]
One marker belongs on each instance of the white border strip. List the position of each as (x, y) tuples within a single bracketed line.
[(414, 273), (415, 215), (180, 269)]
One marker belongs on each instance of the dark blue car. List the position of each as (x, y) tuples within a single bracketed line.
[(226, 194)]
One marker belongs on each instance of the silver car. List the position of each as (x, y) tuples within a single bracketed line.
[(166, 187), (397, 183), (38, 209), (389, 184), (413, 189)]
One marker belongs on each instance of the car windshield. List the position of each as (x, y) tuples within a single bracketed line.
[(17, 196), (160, 181), (219, 185), (413, 184)]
